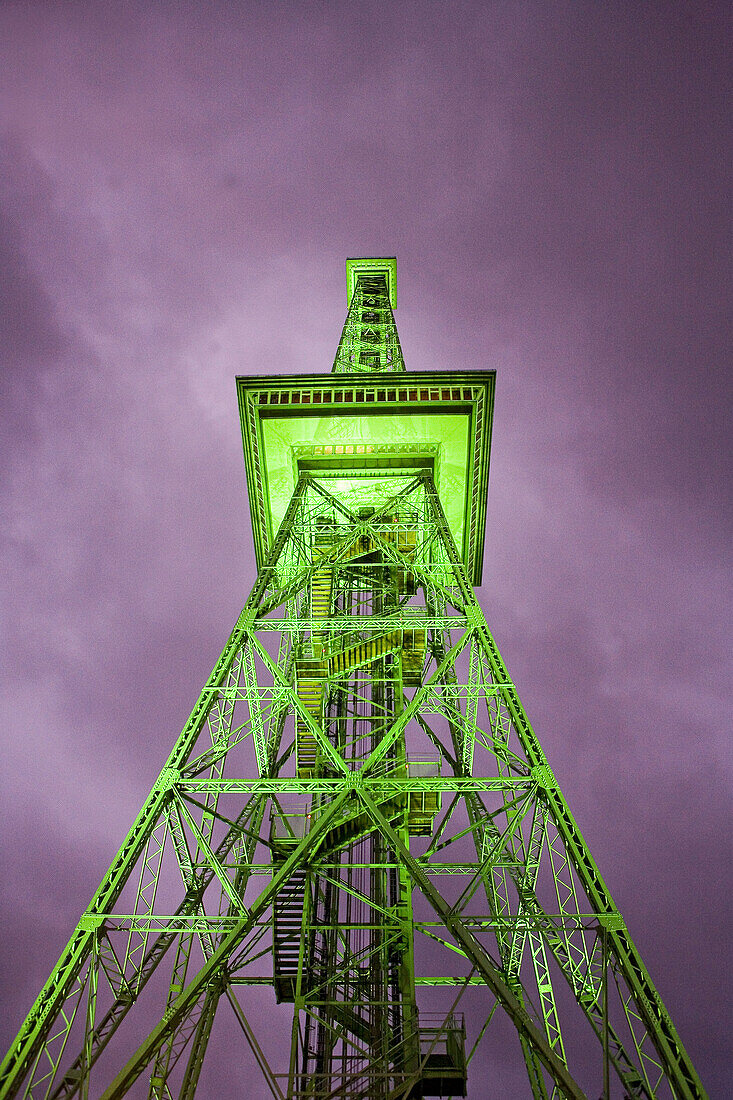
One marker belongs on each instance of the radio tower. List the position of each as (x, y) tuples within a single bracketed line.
[(358, 813)]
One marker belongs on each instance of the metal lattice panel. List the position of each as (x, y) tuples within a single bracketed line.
[(369, 342)]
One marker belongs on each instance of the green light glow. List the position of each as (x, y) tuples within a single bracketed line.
[(450, 431), (386, 266)]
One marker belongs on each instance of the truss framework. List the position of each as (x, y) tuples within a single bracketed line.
[(369, 341), (344, 851)]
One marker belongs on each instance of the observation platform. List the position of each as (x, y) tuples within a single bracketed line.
[(360, 426)]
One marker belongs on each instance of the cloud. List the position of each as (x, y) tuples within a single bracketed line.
[(181, 185)]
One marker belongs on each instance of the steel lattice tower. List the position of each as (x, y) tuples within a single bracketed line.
[(357, 813)]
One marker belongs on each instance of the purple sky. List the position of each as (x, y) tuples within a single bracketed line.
[(179, 191)]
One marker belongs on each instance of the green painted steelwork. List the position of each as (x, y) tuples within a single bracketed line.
[(357, 803), (360, 266), (369, 342), (452, 412)]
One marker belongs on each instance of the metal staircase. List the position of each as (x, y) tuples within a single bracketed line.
[(287, 921)]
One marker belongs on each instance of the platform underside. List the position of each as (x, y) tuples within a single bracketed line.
[(450, 412)]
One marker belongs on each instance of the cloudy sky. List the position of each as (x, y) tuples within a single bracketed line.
[(180, 186)]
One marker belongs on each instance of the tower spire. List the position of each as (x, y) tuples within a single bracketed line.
[(369, 340)]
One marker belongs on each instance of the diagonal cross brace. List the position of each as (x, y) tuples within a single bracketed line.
[(476, 954), (183, 1004)]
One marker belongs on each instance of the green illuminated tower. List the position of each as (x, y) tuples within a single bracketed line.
[(357, 815)]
